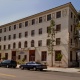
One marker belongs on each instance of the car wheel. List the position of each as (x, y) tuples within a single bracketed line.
[(41, 69), (34, 68), (14, 66), (28, 68), (22, 67), (7, 66)]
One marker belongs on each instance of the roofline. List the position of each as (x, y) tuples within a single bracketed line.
[(32, 16)]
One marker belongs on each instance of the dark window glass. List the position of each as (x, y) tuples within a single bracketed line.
[(56, 55), (20, 35), (14, 45), (9, 28), (48, 30), (4, 38), (4, 47), (48, 42), (0, 56), (14, 27), (57, 41), (32, 33), (58, 27), (40, 19), (71, 15), (25, 57), (33, 21), (6, 56), (25, 44), (0, 30), (14, 36), (71, 41), (0, 47), (32, 43), (40, 43), (4, 29), (26, 33), (20, 25), (71, 28), (26, 23), (58, 14), (9, 37), (19, 45), (43, 55), (40, 31), (0, 38), (9, 46), (70, 56), (48, 17), (19, 57)]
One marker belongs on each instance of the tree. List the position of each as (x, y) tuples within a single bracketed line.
[(51, 35)]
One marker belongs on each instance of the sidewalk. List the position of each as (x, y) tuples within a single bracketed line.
[(59, 69)]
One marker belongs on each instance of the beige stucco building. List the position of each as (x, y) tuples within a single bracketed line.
[(27, 38)]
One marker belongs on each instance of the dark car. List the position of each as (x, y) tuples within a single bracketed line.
[(8, 63), (33, 65)]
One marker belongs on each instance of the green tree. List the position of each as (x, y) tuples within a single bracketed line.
[(51, 35)]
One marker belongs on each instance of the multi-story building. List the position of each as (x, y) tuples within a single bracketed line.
[(27, 38)]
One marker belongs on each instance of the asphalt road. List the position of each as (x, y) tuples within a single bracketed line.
[(17, 74)]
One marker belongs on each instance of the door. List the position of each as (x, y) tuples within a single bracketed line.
[(14, 55)]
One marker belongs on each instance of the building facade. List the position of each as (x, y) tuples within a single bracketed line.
[(27, 38)]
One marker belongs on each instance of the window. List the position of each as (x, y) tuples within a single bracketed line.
[(26, 23), (57, 53), (19, 45), (58, 14), (32, 43), (25, 57), (57, 41), (48, 17), (20, 35), (0, 47), (4, 47), (25, 44), (9, 37), (9, 28), (0, 56), (71, 28), (4, 38), (40, 43), (70, 56), (9, 46), (4, 29), (40, 31), (71, 41), (0, 38), (71, 14), (40, 19), (33, 21), (43, 55), (32, 33), (26, 33), (20, 25), (0, 30), (14, 36), (14, 45), (48, 42), (14, 27), (48, 29), (19, 57), (6, 56), (58, 27)]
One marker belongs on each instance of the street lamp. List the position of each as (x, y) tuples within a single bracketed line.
[(79, 57)]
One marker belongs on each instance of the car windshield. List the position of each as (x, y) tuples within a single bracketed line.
[(6, 61)]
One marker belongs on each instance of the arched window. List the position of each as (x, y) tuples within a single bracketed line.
[(19, 45), (32, 43), (25, 44), (14, 45)]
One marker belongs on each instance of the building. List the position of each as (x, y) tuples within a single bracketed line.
[(27, 38)]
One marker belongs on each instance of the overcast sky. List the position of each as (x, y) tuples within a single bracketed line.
[(12, 10)]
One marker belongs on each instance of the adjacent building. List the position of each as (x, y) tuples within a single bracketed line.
[(27, 38)]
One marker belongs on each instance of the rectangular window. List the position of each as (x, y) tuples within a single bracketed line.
[(71, 15), (19, 57), (26, 23), (32, 32), (6, 56), (26, 34), (0, 56), (9, 46), (70, 56), (33, 21), (43, 55), (48, 17), (20, 35), (58, 14), (0, 39), (9, 28), (14, 36), (0, 30), (4, 38), (71, 41), (0, 47), (48, 30), (57, 53), (20, 25), (48, 42), (40, 31), (4, 29), (40, 19), (71, 28), (4, 47), (58, 27), (14, 27), (58, 41), (9, 37), (40, 43), (25, 57)]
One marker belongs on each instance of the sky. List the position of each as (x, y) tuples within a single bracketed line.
[(12, 10)]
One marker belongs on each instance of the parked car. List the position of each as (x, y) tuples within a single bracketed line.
[(33, 65), (8, 63)]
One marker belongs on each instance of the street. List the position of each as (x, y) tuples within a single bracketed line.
[(17, 74)]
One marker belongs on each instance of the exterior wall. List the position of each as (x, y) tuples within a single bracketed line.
[(63, 34)]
